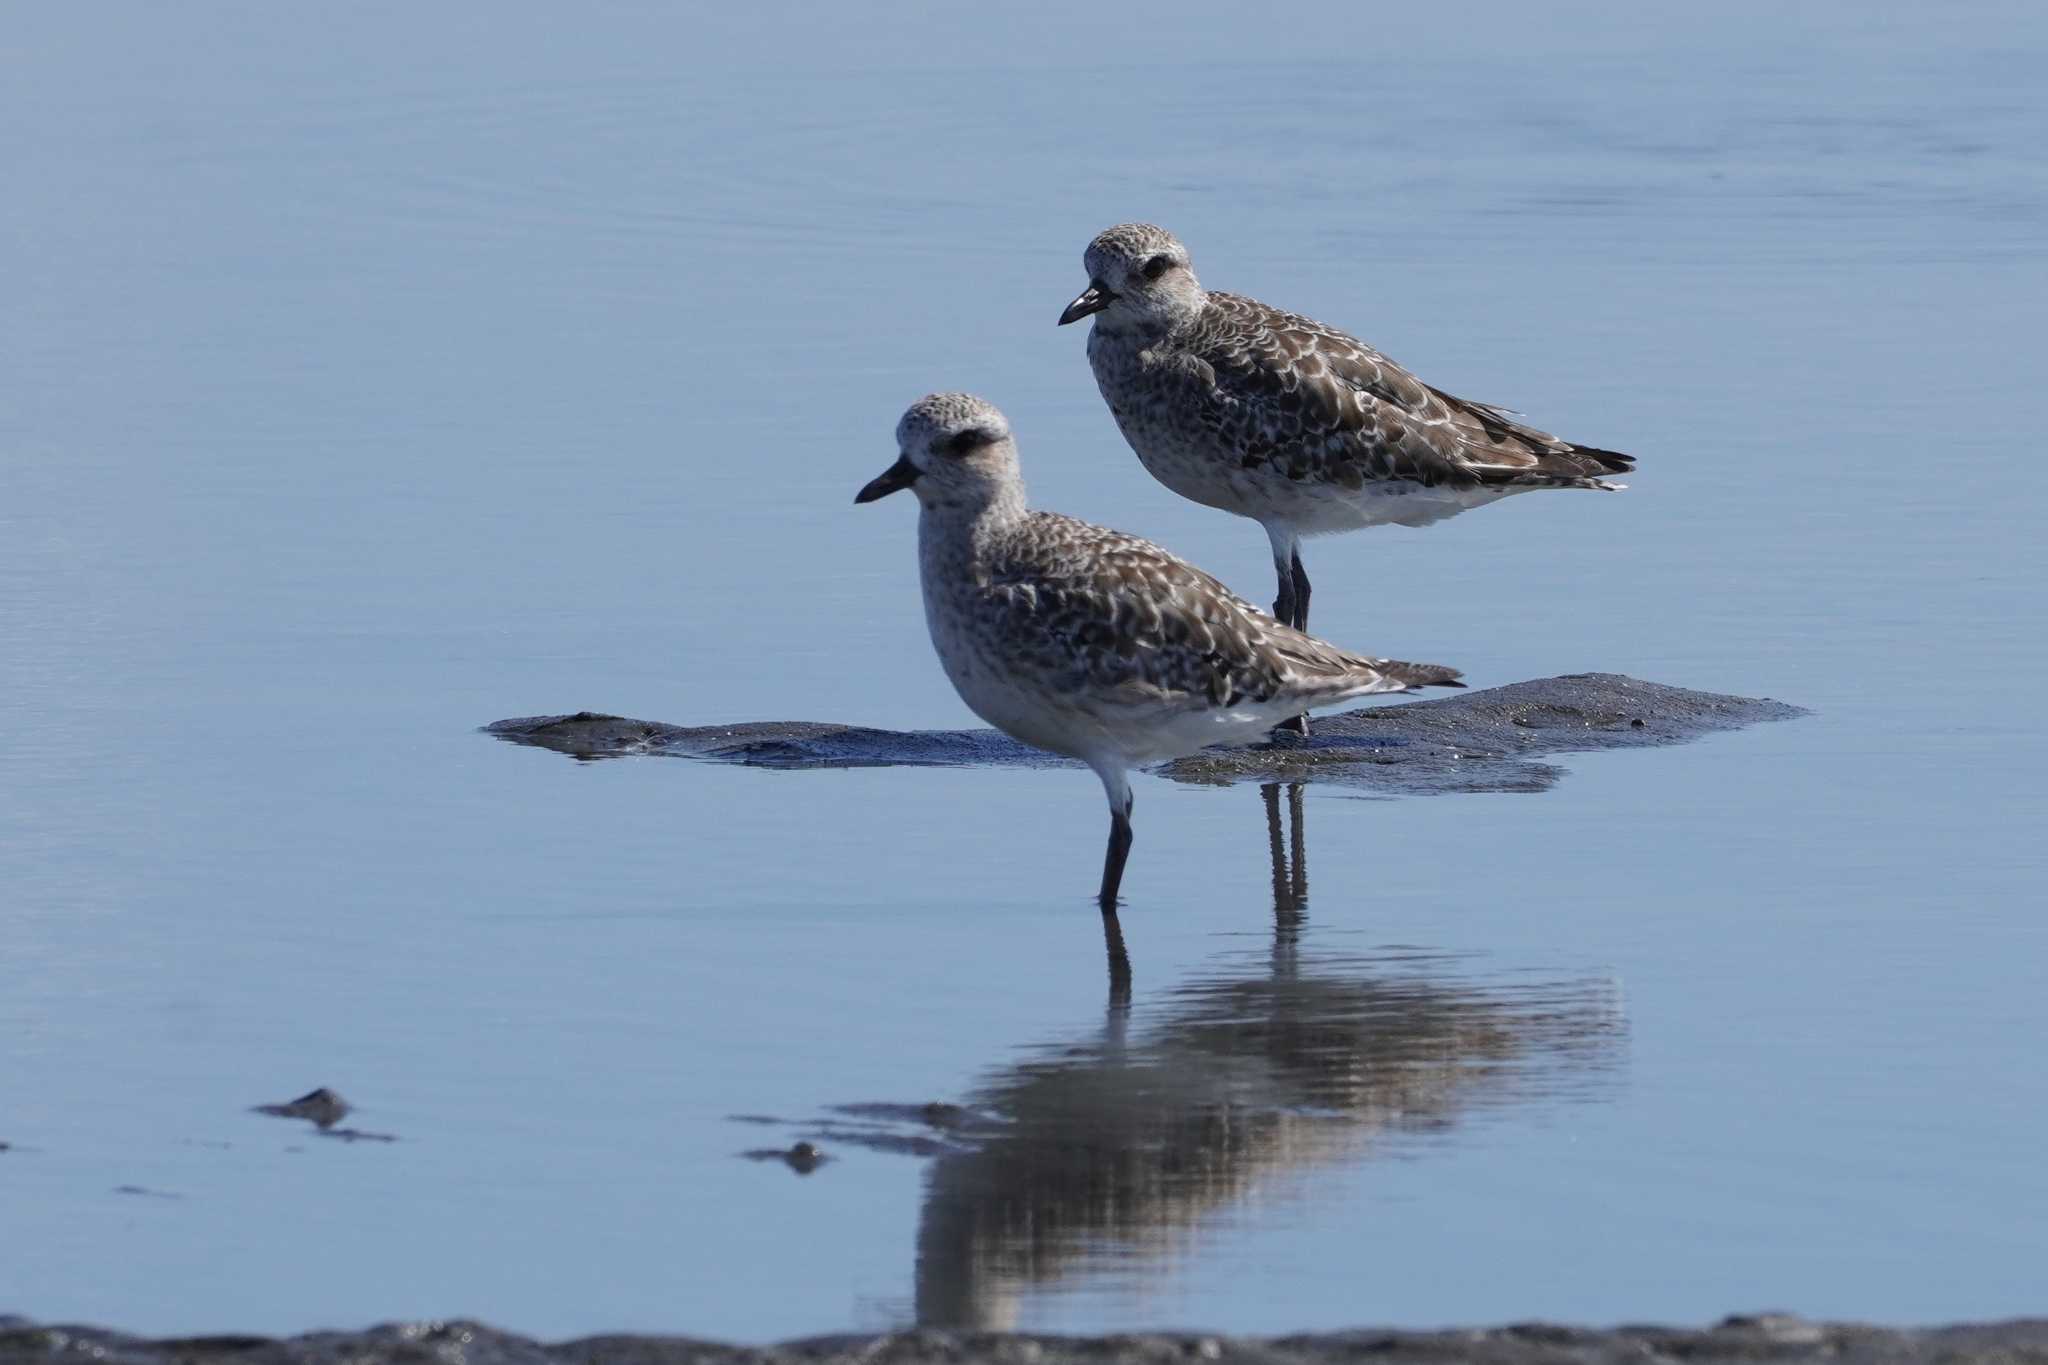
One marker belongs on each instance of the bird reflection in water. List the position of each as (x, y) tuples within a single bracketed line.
[(1270, 1067), (1290, 894)]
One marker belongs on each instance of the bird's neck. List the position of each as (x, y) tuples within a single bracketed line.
[(957, 536), (1162, 319)]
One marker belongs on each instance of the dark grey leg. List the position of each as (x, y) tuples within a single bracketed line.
[(1300, 582), (1292, 609), (1283, 605), (1113, 860)]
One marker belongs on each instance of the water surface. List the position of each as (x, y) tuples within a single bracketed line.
[(377, 377)]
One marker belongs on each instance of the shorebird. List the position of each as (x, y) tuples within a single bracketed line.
[(1088, 642), (1298, 426)]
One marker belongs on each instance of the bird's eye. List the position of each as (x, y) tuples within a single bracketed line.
[(1158, 266), (969, 441)]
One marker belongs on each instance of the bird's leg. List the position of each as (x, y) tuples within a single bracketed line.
[(1283, 605), (1116, 785), (1294, 596), (1119, 851), (1291, 608), (1299, 576), (1282, 538)]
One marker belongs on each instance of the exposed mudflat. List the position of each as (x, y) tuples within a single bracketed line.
[(1470, 741), (1770, 1337)]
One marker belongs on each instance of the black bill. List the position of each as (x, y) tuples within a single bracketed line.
[(894, 479), (1094, 299)]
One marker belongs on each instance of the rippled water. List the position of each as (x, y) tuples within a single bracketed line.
[(374, 377)]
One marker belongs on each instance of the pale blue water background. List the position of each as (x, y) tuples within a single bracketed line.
[(373, 374)]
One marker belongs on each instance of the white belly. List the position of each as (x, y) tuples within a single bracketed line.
[(1325, 508), (1310, 507), (1089, 725)]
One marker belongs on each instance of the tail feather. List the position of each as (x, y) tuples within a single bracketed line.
[(1558, 462), (1416, 675), (1317, 672), (1569, 467), (1612, 461)]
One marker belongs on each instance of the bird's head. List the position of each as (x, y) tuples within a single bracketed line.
[(1139, 280), (952, 448)]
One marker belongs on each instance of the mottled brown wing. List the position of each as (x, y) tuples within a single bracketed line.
[(1113, 613), (1319, 405)]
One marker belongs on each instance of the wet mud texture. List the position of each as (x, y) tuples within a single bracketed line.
[(1490, 741), (1764, 1338)]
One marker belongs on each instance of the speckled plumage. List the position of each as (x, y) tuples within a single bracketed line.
[(1259, 411), (1294, 424), (1080, 639), (1086, 641)]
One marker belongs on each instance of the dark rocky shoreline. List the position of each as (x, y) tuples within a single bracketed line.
[(1767, 1337)]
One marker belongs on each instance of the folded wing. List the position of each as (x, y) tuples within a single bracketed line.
[(1115, 616), (1316, 404)]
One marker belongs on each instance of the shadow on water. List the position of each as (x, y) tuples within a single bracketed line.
[(1273, 1067)]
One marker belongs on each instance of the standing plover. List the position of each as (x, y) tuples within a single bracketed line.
[(1298, 426), (1089, 642)]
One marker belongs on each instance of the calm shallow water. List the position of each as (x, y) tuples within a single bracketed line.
[(375, 381)]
